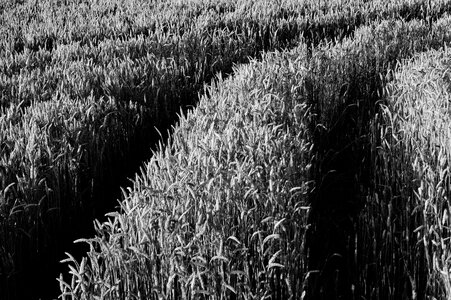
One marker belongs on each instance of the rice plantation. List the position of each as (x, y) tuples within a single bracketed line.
[(249, 149)]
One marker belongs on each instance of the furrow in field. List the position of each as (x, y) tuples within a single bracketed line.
[(347, 85), (406, 217)]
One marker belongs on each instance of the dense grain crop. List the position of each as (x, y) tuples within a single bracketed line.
[(341, 86), (84, 83), (48, 24), (220, 211), (76, 116), (407, 215), (348, 84)]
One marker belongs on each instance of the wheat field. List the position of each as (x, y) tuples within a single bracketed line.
[(224, 149)]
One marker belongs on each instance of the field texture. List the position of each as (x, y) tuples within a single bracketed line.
[(278, 149)]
